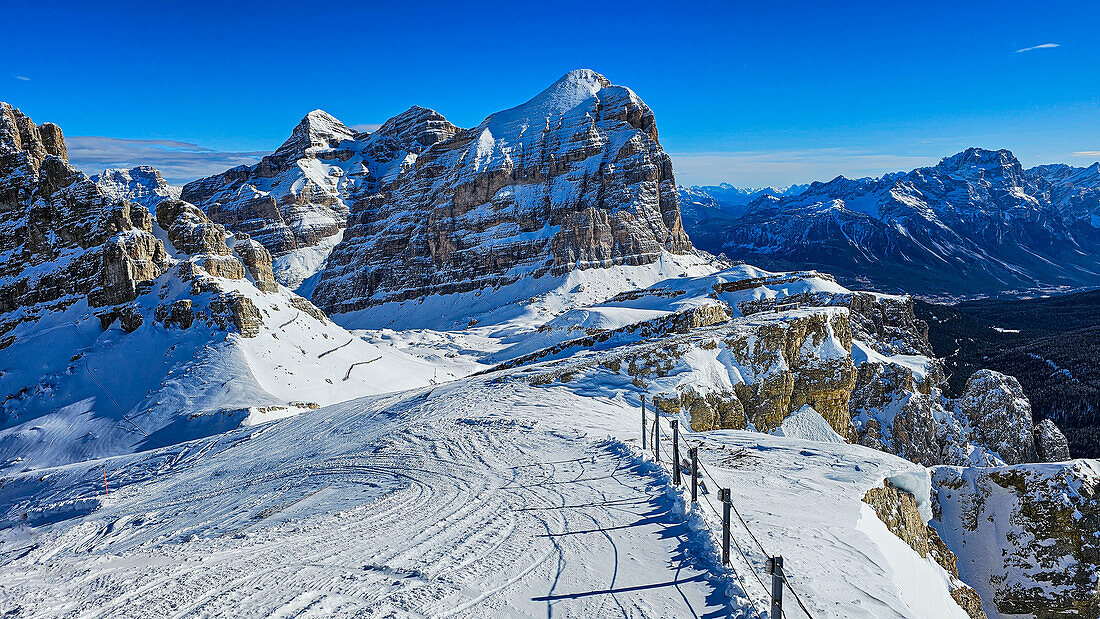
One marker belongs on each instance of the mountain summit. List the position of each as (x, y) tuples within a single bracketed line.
[(573, 178)]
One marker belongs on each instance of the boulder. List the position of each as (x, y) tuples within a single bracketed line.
[(999, 414), (1050, 444)]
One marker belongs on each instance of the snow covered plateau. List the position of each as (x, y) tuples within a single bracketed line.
[(403, 374)]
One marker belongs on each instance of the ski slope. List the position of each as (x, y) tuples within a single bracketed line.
[(482, 497)]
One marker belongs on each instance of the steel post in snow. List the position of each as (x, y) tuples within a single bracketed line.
[(675, 452), (775, 568), (656, 435), (724, 496), (645, 428), (694, 474)]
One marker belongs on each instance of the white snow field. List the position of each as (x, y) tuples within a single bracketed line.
[(484, 497)]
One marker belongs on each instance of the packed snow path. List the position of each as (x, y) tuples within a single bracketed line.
[(398, 506)]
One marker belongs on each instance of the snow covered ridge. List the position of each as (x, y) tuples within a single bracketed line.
[(574, 178), (977, 223)]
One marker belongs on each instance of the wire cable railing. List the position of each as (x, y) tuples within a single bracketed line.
[(775, 563)]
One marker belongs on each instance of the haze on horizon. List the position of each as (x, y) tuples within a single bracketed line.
[(746, 94)]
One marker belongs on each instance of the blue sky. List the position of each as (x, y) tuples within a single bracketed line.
[(749, 93)]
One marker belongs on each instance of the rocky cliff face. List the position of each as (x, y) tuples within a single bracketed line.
[(63, 239), (295, 202), (897, 509), (293, 198), (1026, 535), (977, 222), (141, 185), (572, 179)]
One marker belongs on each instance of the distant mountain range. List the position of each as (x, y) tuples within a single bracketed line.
[(976, 224)]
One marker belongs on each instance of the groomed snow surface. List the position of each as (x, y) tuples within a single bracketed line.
[(482, 497)]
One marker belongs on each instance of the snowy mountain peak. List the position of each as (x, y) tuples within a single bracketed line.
[(567, 93), (415, 126), (318, 130), (986, 163), (142, 184)]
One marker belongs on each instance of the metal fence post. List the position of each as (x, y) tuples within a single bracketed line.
[(724, 496), (775, 568), (644, 427), (656, 435), (675, 452), (694, 474)]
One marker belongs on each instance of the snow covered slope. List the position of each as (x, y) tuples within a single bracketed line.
[(484, 497), (122, 332)]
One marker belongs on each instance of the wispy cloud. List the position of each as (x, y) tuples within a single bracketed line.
[(179, 162), (22, 78), (366, 127), (1087, 153), (786, 167), (1035, 47)]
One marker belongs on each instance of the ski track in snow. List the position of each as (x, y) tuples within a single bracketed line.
[(394, 507)]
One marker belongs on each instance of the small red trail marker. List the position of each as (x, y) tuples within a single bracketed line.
[(105, 493)]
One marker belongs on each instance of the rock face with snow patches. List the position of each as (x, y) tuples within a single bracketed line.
[(296, 201), (976, 223), (142, 185), (121, 331), (63, 239), (1026, 535), (572, 179)]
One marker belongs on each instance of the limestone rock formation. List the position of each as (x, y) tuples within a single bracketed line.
[(291, 199), (295, 202), (1050, 444), (572, 179), (141, 185), (1026, 535), (258, 261), (62, 238), (190, 230), (1000, 415)]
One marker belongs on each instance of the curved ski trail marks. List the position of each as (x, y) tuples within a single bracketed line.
[(422, 506)]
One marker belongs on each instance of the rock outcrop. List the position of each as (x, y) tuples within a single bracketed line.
[(1050, 444), (572, 179), (999, 415), (1026, 535), (258, 261), (897, 509), (62, 238)]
